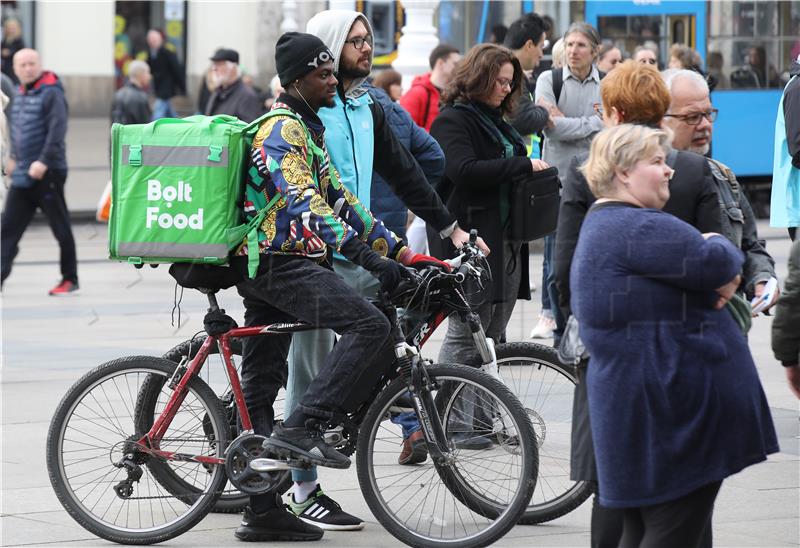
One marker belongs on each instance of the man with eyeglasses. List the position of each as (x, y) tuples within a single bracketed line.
[(691, 119), (358, 139)]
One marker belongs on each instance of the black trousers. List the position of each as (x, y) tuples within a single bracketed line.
[(21, 205), (684, 522)]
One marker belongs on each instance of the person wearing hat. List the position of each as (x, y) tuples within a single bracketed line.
[(294, 281), (231, 95)]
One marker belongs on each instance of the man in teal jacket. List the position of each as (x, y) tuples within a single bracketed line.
[(358, 139)]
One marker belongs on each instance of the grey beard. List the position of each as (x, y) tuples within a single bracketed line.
[(703, 150)]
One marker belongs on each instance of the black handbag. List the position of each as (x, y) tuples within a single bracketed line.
[(535, 199)]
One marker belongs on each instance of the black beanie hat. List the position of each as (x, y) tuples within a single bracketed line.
[(297, 54)]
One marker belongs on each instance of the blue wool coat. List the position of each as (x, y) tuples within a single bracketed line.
[(674, 397)]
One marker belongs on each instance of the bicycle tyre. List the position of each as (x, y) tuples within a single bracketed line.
[(499, 524), (550, 407), (113, 372)]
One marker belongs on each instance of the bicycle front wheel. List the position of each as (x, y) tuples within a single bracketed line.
[(101, 475), (546, 389), (433, 503)]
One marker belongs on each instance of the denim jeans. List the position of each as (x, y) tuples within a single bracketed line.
[(162, 108), (21, 205)]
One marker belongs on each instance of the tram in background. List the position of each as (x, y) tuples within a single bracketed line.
[(747, 45)]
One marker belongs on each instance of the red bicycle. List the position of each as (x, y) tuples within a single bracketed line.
[(139, 449)]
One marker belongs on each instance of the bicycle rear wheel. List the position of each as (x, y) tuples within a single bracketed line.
[(432, 504), (94, 431), (546, 389)]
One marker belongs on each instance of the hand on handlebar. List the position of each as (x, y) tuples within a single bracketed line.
[(419, 261), (459, 238)]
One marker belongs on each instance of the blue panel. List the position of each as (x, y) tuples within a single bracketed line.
[(527, 6), (654, 7), (744, 133)]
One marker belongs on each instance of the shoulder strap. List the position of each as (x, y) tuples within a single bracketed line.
[(558, 82)]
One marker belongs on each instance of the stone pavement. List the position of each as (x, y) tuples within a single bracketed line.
[(48, 343)]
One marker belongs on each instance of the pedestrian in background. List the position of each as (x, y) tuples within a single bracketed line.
[(167, 75), (391, 82), (131, 104), (691, 119), (646, 55), (231, 96), (785, 330), (483, 153), (38, 167), (785, 202), (422, 99), (569, 94), (675, 400), (11, 44), (608, 56)]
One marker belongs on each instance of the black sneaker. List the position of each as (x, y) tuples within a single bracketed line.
[(324, 512), (304, 444), (273, 525)]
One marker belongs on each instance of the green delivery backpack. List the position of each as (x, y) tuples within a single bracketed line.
[(176, 186)]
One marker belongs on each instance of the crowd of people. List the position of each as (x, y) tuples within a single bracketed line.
[(655, 241)]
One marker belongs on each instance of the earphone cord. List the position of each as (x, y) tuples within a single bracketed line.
[(303, 98)]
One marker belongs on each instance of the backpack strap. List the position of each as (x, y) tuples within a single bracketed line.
[(558, 82)]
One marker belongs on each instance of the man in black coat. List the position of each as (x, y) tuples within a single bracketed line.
[(131, 104), (167, 75), (231, 95)]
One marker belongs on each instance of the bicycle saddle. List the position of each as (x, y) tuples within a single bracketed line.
[(206, 278)]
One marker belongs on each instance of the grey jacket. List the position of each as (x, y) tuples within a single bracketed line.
[(739, 226), (574, 131), (786, 325), (235, 100)]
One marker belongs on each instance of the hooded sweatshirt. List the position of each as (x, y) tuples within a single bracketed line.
[(359, 139)]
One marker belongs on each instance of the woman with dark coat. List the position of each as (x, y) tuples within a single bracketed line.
[(675, 401), (633, 93), (483, 154)]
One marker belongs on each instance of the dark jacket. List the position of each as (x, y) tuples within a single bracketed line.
[(528, 117), (9, 48), (39, 118), (167, 74), (130, 106), (739, 226), (474, 170), (384, 203), (786, 325), (693, 199), (791, 114), (235, 100)]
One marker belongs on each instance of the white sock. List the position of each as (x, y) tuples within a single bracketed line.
[(302, 490)]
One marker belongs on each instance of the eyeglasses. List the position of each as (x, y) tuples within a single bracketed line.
[(359, 41), (503, 83), (695, 118)]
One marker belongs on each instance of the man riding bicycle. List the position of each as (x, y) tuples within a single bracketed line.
[(314, 215)]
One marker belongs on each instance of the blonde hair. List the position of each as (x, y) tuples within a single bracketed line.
[(619, 147)]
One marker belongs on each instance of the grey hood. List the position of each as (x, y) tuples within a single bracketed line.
[(795, 70), (332, 27)]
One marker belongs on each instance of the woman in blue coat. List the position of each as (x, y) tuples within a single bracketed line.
[(674, 396)]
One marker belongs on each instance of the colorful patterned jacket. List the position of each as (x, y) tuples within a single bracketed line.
[(314, 210)]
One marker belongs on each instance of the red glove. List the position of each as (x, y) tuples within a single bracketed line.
[(419, 261)]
